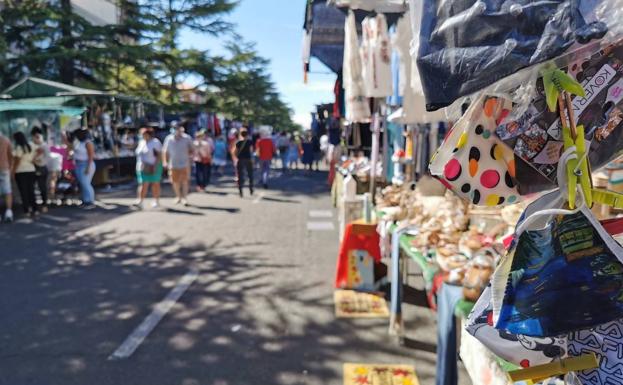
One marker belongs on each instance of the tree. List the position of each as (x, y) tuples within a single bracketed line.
[(246, 91), (165, 19)]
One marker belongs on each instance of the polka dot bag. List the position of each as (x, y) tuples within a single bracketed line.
[(473, 162)]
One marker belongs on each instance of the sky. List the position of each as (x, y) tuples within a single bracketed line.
[(276, 26)]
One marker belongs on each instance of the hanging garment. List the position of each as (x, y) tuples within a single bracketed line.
[(473, 162), (356, 104), (466, 46), (536, 135), (413, 109), (564, 277), (376, 57)]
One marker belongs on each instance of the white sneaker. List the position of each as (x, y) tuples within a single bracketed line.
[(155, 204), (8, 215), (139, 205), (178, 201), (184, 202)]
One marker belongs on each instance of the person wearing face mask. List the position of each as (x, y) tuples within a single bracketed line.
[(178, 155), (41, 160)]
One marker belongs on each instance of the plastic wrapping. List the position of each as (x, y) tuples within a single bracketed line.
[(535, 135), (466, 46)]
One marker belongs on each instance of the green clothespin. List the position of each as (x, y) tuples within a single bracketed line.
[(556, 81)]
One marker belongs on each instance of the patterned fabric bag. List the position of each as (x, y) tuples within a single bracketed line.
[(606, 341), (565, 276), (517, 349), (473, 162)]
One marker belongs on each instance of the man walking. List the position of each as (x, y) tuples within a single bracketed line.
[(243, 158), (178, 153), (265, 152), (6, 158)]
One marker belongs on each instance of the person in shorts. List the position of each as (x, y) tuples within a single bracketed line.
[(6, 157), (148, 167), (178, 155)]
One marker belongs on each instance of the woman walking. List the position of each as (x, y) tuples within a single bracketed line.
[(294, 152), (203, 160), (308, 152), (25, 172), (84, 157), (148, 167), (41, 161), (220, 154)]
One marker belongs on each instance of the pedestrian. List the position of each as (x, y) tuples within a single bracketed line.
[(148, 167), (6, 166), (294, 152), (265, 153), (61, 164), (84, 157), (283, 144), (219, 158), (178, 153), (308, 152), (244, 161), (204, 148), (25, 173), (317, 151), (41, 160)]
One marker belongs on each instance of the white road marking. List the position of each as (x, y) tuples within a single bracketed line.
[(320, 226), (259, 198), (139, 334), (320, 214)]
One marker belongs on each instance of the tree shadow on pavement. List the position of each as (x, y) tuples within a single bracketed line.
[(68, 306)]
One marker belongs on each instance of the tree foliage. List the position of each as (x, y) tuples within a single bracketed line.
[(141, 55)]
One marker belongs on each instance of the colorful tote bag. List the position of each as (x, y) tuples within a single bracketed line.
[(473, 162), (564, 277), (517, 349)]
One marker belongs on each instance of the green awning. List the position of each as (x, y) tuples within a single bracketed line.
[(19, 106)]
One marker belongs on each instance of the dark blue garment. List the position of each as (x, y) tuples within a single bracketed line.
[(447, 356)]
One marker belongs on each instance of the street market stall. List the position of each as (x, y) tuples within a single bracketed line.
[(531, 99)]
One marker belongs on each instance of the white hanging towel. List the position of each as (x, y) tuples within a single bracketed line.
[(356, 104), (376, 57)]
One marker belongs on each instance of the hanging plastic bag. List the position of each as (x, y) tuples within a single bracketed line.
[(536, 136), (466, 46), (565, 276), (473, 162)]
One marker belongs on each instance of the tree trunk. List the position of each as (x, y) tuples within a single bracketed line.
[(66, 63)]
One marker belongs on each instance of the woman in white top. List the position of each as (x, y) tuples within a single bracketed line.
[(41, 160), (148, 166), (84, 157), (24, 172)]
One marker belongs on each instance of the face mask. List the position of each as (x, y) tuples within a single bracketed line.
[(563, 277), (473, 162)]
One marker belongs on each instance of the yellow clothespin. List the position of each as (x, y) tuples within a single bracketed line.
[(560, 367), (576, 168)]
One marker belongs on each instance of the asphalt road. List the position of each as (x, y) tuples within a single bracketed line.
[(258, 309)]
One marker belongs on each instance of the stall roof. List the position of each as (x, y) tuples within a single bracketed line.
[(381, 6), (32, 87), (325, 20), (17, 106)]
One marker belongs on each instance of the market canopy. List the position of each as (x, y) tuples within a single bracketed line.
[(324, 23), (30, 87), (7, 106)]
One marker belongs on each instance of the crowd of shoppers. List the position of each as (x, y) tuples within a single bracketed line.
[(54, 170)]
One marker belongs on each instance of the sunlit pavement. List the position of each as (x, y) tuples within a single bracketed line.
[(228, 291)]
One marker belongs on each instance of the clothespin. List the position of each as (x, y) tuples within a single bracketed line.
[(573, 135), (563, 366)]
